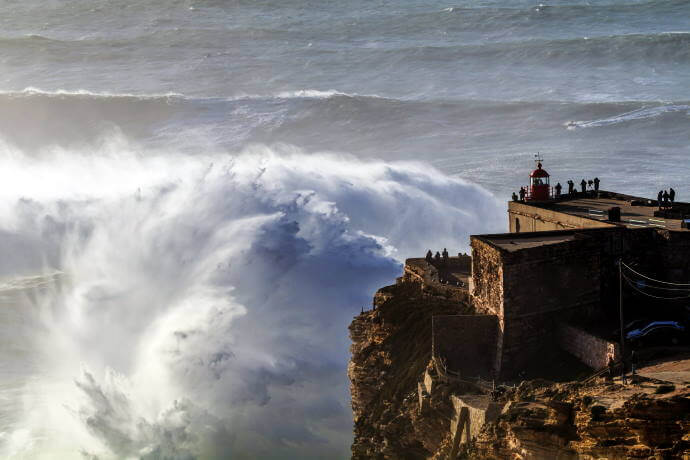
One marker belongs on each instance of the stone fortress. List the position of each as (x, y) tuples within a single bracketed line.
[(553, 281), (502, 353)]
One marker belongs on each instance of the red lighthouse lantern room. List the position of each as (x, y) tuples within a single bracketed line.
[(539, 187)]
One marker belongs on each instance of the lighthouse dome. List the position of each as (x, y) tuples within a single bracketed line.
[(539, 172)]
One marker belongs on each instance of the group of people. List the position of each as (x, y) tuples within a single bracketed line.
[(666, 198), (440, 256), (593, 185)]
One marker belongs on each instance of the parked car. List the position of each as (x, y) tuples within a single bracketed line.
[(658, 333), (631, 325)]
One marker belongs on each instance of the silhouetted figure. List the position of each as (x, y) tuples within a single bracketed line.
[(611, 365), (659, 197), (558, 188), (590, 183), (437, 256), (665, 199), (672, 195), (596, 184), (571, 187), (429, 256), (445, 255), (624, 378), (515, 197), (522, 193), (583, 185)]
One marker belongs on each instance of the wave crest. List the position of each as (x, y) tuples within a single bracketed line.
[(217, 287)]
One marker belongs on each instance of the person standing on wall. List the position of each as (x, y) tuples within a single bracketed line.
[(659, 198), (583, 185), (672, 195), (596, 184), (558, 188)]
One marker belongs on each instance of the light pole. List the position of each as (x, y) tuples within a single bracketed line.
[(620, 311)]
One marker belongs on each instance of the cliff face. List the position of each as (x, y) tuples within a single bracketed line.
[(390, 352), (397, 419)]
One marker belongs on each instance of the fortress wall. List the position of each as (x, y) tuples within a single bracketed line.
[(462, 262), (532, 219), (673, 248), (591, 350), (544, 286), (466, 343), (487, 278), (535, 279)]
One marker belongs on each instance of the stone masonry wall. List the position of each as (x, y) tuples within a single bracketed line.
[(486, 286), (673, 248), (533, 219), (589, 349), (543, 286), (466, 343)]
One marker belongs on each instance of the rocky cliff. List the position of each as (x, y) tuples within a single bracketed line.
[(398, 416), (390, 351)]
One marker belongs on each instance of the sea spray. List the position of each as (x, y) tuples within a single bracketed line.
[(202, 301)]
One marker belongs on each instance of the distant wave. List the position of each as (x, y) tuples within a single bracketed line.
[(31, 91), (84, 93), (29, 38), (568, 9), (671, 46), (134, 108), (639, 114)]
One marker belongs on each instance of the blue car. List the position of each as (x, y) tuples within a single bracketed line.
[(658, 333)]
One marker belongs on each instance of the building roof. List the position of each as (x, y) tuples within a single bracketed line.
[(539, 172), (635, 212), (512, 242)]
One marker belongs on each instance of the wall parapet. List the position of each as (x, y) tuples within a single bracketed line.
[(591, 350), (466, 344)]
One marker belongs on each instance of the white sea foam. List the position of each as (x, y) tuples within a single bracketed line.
[(206, 298), (638, 114), (32, 91)]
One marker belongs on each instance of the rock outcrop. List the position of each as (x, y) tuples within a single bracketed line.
[(403, 409), (590, 421), (390, 352)]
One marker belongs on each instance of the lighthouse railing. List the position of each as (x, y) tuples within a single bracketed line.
[(529, 196)]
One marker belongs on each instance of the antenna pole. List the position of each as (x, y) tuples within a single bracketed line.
[(620, 311)]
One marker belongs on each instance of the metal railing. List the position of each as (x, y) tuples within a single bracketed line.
[(528, 194), (442, 370), (636, 222)]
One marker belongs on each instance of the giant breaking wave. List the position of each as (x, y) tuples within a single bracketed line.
[(163, 305)]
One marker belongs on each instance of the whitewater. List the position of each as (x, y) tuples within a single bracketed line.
[(197, 196)]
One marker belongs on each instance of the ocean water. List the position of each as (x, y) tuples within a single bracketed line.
[(196, 196)]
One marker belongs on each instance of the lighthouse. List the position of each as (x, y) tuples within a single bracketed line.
[(539, 187)]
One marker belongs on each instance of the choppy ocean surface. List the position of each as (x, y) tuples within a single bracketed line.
[(197, 196)]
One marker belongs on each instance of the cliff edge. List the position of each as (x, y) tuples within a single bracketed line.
[(391, 349)]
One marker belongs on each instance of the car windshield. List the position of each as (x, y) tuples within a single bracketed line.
[(658, 324)]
